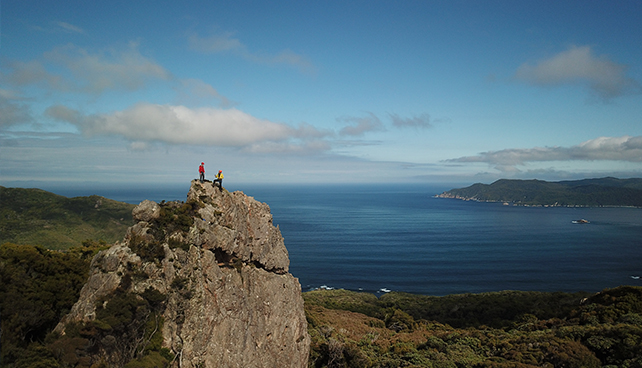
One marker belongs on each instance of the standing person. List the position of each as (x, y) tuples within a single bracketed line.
[(219, 180), (201, 172)]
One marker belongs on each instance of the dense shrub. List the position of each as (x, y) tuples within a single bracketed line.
[(175, 217), (147, 251), (37, 287), (127, 329), (171, 228), (508, 329)]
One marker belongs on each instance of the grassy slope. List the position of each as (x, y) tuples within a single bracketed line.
[(34, 216)]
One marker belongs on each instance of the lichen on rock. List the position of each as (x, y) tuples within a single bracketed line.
[(146, 211), (214, 270)]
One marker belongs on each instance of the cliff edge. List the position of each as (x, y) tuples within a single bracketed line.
[(201, 283)]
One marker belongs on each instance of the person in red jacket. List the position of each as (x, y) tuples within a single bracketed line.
[(201, 172)]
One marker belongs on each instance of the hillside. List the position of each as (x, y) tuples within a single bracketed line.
[(38, 217), (352, 329), (216, 266), (589, 192), (501, 330)]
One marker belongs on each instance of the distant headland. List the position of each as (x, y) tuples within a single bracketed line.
[(600, 192)]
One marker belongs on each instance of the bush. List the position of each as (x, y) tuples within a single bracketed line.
[(37, 288), (540, 329), (151, 360)]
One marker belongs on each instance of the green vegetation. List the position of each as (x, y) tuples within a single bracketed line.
[(127, 330), (171, 227), (37, 287), (348, 329), (589, 192), (34, 216), (503, 329), (497, 310), (175, 217)]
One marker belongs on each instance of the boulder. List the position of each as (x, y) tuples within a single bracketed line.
[(146, 211)]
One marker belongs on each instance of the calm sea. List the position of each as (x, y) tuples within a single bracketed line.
[(398, 237)]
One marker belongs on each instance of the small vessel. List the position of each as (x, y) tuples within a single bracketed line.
[(581, 221), (384, 290)]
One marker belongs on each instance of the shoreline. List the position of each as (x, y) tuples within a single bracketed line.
[(518, 204)]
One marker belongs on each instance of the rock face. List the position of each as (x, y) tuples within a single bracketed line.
[(203, 283)]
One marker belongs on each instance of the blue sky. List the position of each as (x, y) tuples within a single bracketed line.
[(327, 91)]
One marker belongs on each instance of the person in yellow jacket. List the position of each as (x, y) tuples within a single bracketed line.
[(219, 180)]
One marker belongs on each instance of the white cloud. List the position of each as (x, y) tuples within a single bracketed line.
[(138, 146), (126, 69), (71, 160), (304, 148), (578, 65), (421, 121), (12, 110), (70, 69), (181, 125), (73, 69), (215, 43), (70, 27), (32, 72), (287, 57), (58, 27), (308, 131), (197, 90), (358, 126), (225, 42), (626, 148)]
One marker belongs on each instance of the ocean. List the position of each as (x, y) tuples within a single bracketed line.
[(378, 238)]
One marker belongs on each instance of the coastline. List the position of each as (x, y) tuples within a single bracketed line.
[(446, 195)]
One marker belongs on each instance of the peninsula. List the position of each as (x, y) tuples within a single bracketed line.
[(600, 192)]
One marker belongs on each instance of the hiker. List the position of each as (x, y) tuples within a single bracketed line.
[(201, 172), (219, 180)]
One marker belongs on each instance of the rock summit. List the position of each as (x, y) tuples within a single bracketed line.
[(200, 283)]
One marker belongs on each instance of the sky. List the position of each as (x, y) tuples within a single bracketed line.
[(138, 92)]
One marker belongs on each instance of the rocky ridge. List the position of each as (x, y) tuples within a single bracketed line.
[(203, 283)]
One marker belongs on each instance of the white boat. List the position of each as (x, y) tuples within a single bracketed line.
[(581, 221)]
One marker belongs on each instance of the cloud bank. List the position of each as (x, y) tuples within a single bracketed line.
[(606, 79), (420, 122), (70, 69), (12, 110), (78, 70), (358, 126), (225, 42), (203, 126), (624, 148)]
